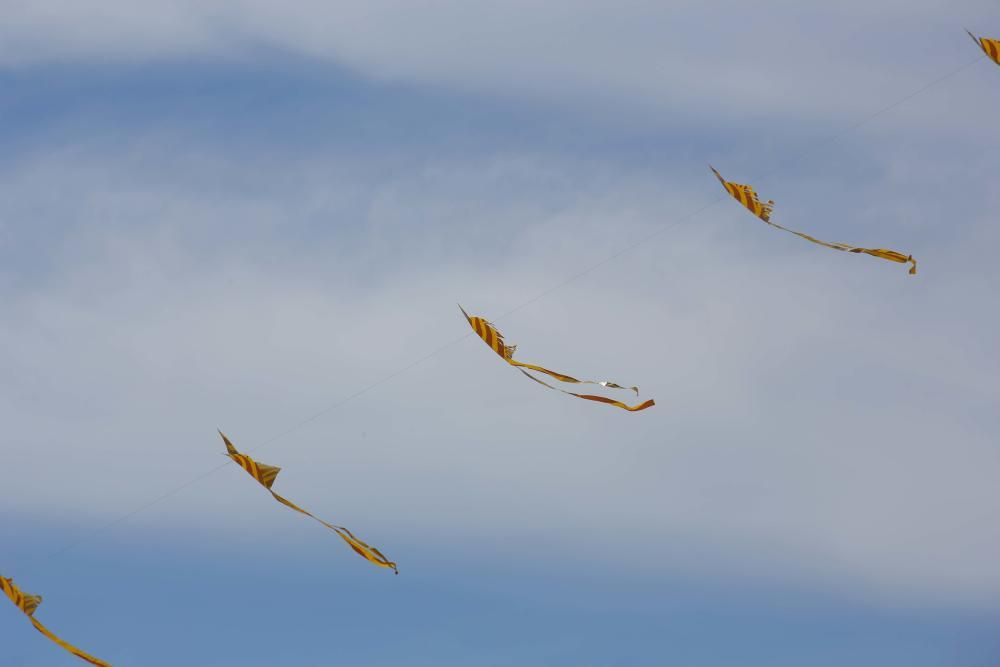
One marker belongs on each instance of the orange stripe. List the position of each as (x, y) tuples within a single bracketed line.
[(488, 337), (611, 401), (254, 470)]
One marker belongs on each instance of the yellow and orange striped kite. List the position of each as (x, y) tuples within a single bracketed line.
[(494, 339), (745, 195), (28, 604), (990, 47), (266, 475)]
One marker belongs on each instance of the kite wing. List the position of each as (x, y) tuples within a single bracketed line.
[(485, 330), (28, 604), (494, 339), (991, 47), (265, 476), (746, 196), (261, 472)]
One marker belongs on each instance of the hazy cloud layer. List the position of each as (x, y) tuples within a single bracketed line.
[(819, 415), (186, 245), (637, 57)]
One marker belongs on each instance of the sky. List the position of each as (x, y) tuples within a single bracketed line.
[(234, 214)]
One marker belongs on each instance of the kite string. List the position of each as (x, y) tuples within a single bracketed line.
[(194, 480), (541, 295), (864, 121)]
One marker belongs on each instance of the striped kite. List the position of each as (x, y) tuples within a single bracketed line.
[(745, 195), (266, 475), (28, 604), (494, 339), (989, 46)]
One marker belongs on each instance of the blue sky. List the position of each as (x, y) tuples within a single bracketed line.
[(221, 215)]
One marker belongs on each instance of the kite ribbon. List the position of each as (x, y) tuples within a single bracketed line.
[(746, 196), (266, 474), (594, 397), (492, 337), (28, 604), (991, 47)]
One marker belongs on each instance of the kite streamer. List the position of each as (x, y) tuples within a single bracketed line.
[(494, 339), (266, 475), (990, 47), (28, 604), (745, 195)]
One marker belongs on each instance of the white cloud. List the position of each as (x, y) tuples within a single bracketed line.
[(640, 57), (819, 415)]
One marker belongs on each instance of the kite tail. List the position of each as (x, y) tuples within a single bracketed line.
[(881, 253), (367, 552), (566, 378), (890, 255), (69, 647), (618, 404), (592, 397), (364, 550)]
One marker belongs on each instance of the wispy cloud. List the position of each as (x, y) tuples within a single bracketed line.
[(644, 57), (819, 415), (219, 214)]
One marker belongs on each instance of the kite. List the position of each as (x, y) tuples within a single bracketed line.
[(494, 339), (745, 195), (266, 475), (990, 47), (28, 604)]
